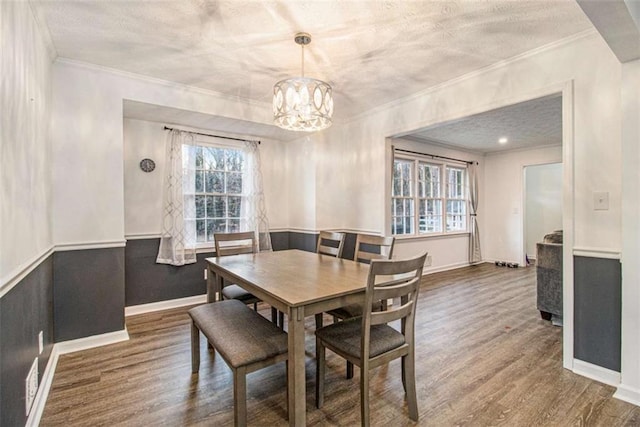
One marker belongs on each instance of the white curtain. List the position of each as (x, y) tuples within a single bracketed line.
[(253, 209), (474, 239), (178, 237)]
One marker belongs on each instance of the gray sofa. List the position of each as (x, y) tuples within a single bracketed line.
[(549, 276)]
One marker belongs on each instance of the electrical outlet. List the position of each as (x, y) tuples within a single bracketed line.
[(40, 342), (31, 386), (205, 274), (429, 261)]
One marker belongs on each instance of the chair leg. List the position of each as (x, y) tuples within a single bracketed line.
[(286, 396), (274, 315), (320, 368), (195, 348), (255, 306), (319, 320), (240, 397), (408, 363), (281, 319), (404, 373), (349, 370), (364, 396)]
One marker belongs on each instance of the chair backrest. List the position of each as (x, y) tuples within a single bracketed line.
[(235, 243), (382, 246), (392, 279), (330, 243)]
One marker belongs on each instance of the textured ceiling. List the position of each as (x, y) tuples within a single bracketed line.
[(528, 124), (371, 52)]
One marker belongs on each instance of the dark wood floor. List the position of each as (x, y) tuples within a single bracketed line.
[(484, 358)]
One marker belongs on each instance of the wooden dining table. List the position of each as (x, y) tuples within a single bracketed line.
[(299, 284)]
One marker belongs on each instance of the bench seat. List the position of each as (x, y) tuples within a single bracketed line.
[(245, 340)]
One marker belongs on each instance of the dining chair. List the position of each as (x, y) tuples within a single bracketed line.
[(235, 244), (368, 247), (368, 341), (330, 243)]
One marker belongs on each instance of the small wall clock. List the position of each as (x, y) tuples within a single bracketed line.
[(147, 165)]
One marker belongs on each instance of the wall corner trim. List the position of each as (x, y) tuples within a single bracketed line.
[(62, 348), (164, 305), (628, 394), (597, 373)]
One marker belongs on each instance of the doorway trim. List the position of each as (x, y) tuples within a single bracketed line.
[(566, 90)]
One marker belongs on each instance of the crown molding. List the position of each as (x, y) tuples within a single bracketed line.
[(519, 149), (162, 82), (471, 75)]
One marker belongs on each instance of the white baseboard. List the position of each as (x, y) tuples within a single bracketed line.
[(596, 372), (164, 305), (80, 344), (43, 390), (628, 394), (62, 348), (441, 268)]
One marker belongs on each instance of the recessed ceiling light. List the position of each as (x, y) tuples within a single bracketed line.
[(503, 140)]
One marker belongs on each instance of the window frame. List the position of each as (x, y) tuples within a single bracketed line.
[(444, 166), (207, 245)]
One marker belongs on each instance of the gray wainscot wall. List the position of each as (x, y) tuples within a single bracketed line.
[(598, 305)]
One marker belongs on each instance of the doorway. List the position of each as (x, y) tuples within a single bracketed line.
[(542, 204)]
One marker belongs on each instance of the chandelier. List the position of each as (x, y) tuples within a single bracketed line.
[(302, 103)]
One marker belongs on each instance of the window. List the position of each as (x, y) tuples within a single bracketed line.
[(439, 190), (213, 184), (403, 217)]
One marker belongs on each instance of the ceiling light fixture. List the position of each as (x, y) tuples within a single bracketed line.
[(302, 103), (503, 140)]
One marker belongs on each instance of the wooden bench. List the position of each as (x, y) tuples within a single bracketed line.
[(246, 341)]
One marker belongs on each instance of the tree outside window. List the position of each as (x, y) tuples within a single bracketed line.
[(218, 190)]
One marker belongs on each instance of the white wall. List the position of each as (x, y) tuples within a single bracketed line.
[(586, 63), (25, 151), (143, 191), (88, 148), (504, 199), (301, 184), (543, 203), (630, 389)]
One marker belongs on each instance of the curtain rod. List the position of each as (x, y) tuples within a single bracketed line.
[(433, 156), (215, 136)]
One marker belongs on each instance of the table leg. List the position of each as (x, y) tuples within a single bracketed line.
[(296, 380), (214, 286)]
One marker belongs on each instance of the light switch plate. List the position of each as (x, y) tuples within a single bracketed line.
[(600, 200)]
